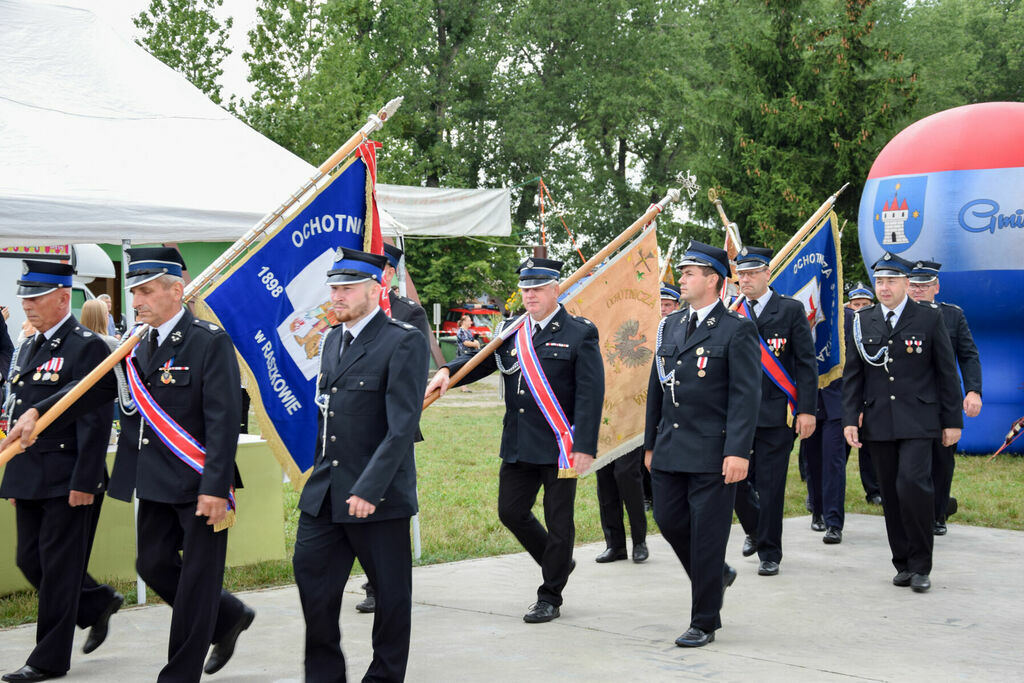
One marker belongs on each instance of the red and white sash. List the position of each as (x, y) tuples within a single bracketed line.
[(545, 397), (174, 436)]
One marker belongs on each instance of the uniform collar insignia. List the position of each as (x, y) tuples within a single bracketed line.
[(555, 325), (176, 336), (55, 342), (711, 321)]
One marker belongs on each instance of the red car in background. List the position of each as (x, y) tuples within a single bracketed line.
[(483, 320)]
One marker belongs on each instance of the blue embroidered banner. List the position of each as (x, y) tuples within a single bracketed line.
[(275, 304), (814, 275)]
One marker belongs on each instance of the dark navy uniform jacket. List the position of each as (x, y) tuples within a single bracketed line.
[(200, 391), (70, 455), (709, 417), (783, 320), (569, 353), (964, 348), (374, 394), (408, 311), (918, 394)]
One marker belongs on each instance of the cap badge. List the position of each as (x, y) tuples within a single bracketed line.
[(529, 263), (24, 268), (339, 254)]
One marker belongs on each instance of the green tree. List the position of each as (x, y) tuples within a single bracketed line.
[(979, 57), (186, 36), (808, 99)]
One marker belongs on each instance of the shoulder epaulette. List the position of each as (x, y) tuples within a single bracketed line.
[(83, 331), (401, 324), (207, 326), (946, 303), (582, 319)]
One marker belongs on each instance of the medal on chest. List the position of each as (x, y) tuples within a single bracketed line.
[(777, 345), (702, 363), (165, 376), (913, 345), (49, 371)]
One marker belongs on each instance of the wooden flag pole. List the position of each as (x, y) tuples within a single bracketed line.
[(76, 392), (668, 260), (374, 122), (795, 241), (671, 196)]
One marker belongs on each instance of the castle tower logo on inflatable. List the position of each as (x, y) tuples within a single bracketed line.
[(899, 218), (950, 188)]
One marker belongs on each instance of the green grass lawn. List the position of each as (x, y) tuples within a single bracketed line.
[(458, 490)]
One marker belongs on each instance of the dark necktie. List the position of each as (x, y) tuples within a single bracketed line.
[(346, 341), (154, 343), (692, 324), (751, 303), (536, 329), (37, 343), (889, 319)]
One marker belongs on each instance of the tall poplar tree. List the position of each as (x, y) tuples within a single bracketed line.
[(187, 36)]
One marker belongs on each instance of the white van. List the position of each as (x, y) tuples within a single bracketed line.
[(89, 260)]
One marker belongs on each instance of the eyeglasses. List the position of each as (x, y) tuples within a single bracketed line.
[(920, 286)]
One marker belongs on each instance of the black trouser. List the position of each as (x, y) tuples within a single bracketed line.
[(551, 548), (620, 483), (95, 597), (324, 554), (770, 462), (190, 582), (905, 475), (826, 471), (868, 472), (694, 513), (943, 464), (53, 552)]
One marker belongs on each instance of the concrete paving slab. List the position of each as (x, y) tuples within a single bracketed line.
[(832, 614)]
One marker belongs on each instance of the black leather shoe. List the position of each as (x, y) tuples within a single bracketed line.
[(223, 650), (939, 529), (30, 673), (640, 553), (875, 499), (694, 637), (833, 535), (817, 523), (541, 612), (612, 554), (728, 578), (920, 583), (768, 568), (368, 605), (749, 546), (951, 506), (902, 579), (98, 632)]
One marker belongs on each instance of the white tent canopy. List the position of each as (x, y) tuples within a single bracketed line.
[(100, 141)]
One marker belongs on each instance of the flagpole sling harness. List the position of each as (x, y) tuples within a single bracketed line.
[(182, 444)]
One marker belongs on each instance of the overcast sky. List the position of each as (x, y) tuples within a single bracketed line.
[(119, 14)]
